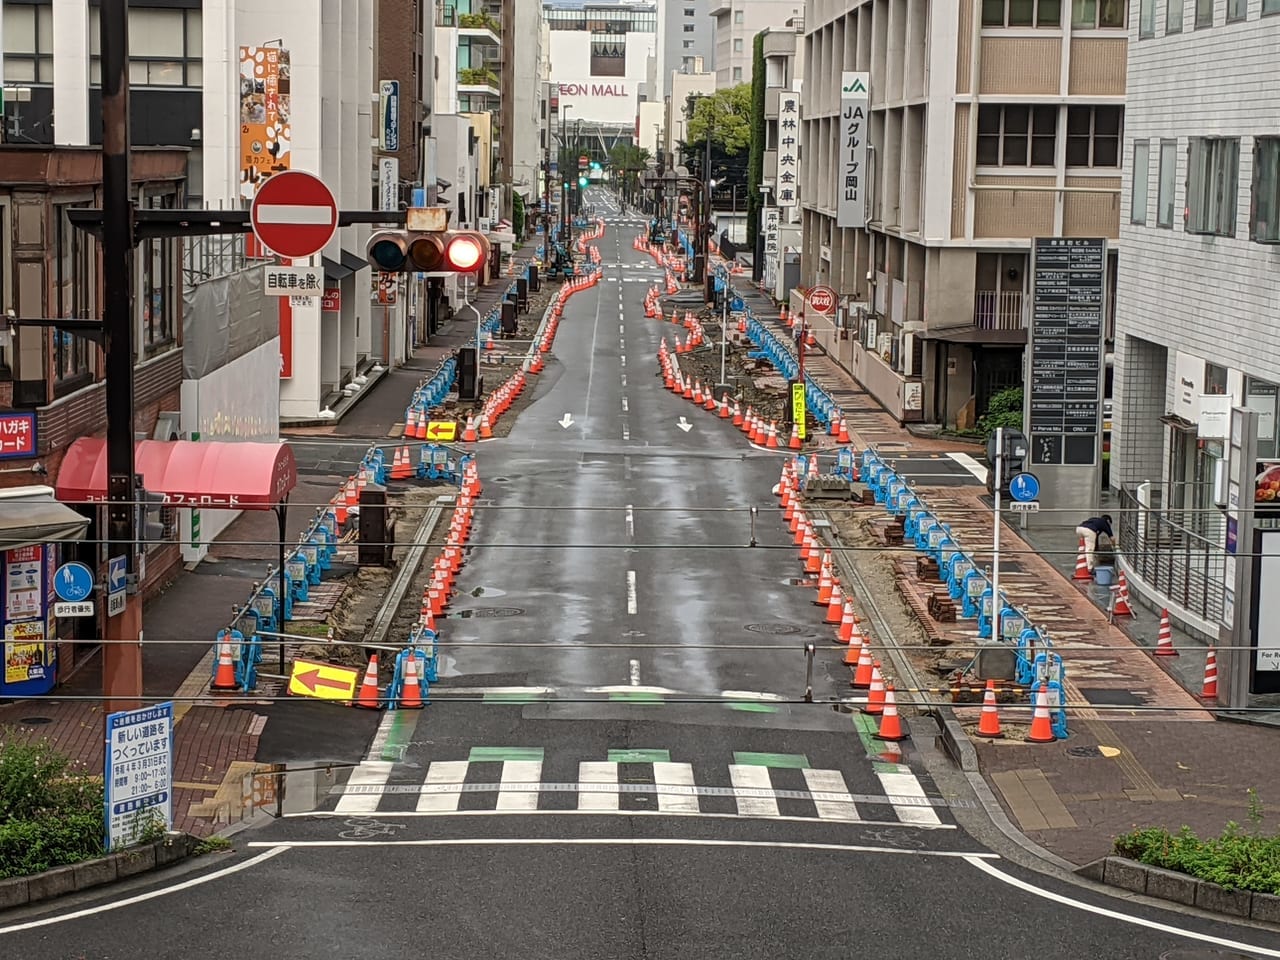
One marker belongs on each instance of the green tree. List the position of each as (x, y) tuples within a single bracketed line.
[(755, 160), (627, 162), (728, 115)]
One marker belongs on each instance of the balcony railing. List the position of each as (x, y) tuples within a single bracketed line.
[(998, 309), (479, 21), (1180, 564), (207, 258)]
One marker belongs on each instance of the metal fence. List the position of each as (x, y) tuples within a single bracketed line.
[(1178, 563), (206, 258)]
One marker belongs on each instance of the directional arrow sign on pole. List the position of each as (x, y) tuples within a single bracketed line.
[(566, 421), (684, 425), (294, 214)]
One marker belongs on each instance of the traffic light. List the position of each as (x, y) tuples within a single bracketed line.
[(447, 251), (582, 182)]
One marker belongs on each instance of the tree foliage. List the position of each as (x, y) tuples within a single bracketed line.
[(728, 115), (627, 162), (755, 160)]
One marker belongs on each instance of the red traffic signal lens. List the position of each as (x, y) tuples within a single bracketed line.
[(464, 253)]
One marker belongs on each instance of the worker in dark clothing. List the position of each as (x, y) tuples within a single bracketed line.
[(1089, 531)]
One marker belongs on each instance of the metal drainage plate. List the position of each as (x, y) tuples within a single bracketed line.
[(489, 613), (774, 629), (35, 721), (1087, 753)]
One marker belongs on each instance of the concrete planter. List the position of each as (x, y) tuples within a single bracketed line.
[(1183, 888), (144, 858)]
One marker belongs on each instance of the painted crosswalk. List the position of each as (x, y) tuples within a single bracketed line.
[(513, 780)]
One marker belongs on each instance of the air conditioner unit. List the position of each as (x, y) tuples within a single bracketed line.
[(909, 355)]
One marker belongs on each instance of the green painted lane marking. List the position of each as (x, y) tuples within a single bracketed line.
[(785, 761), (509, 698), (867, 727), (752, 706), (639, 756), (402, 726), (489, 754), (639, 696)]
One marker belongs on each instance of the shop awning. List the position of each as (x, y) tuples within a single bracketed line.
[(238, 476), (334, 270), (30, 515)]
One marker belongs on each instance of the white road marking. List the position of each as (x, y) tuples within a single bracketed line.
[(906, 785), (622, 360), (674, 785), (441, 776), (631, 592), (519, 773), (621, 327), (370, 773), (970, 464), (272, 849), (635, 673), (591, 364), (831, 782), (624, 404), (391, 814), (624, 379), (977, 861), (382, 735), (626, 432), (601, 773), (747, 780), (631, 522)]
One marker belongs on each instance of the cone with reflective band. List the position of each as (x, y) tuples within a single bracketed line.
[(368, 696), (890, 722), (848, 623), (1210, 689), (772, 441), (835, 609), (825, 581), (1041, 725), (853, 654), (1082, 563), (875, 691), (411, 693), (1121, 607), (843, 436), (863, 674), (794, 442), (225, 677), (737, 414), (813, 563), (989, 722), (724, 408), (1164, 640), (469, 434)]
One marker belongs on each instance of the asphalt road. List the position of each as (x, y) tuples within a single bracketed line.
[(616, 762)]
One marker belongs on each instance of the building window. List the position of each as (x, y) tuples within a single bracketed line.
[(28, 43), (737, 45), (1087, 14), (156, 299), (608, 55), (739, 17), (688, 45), (1022, 13), (688, 28), (1264, 222), (1014, 135), (1167, 186), (164, 48), (737, 74), (1237, 10), (1146, 19), (74, 284), (1270, 6), (1093, 136), (1141, 181), (688, 11), (1173, 16), (1213, 171), (1204, 13)]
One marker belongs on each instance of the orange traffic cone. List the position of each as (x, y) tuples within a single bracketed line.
[(411, 422), (890, 723), (724, 407), (411, 695), (469, 434), (989, 722), (843, 435), (368, 695), (862, 675), (848, 623), (1210, 689), (1121, 607), (875, 692), (835, 609), (486, 429), (772, 441), (1082, 564), (1041, 725), (794, 443), (852, 655), (1164, 640), (825, 581), (225, 677)]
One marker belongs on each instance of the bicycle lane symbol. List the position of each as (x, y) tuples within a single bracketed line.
[(362, 828)]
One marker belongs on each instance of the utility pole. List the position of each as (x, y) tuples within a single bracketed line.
[(546, 184), (122, 652)]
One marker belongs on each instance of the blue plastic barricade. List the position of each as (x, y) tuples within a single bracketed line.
[(957, 572), (295, 569)]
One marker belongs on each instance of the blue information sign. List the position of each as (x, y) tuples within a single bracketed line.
[(1024, 487), (73, 582)]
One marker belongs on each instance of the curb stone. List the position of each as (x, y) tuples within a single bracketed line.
[(1183, 888), (74, 877)]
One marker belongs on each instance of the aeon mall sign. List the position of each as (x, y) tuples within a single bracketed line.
[(593, 90)]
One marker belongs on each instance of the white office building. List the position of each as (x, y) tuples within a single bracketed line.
[(736, 24)]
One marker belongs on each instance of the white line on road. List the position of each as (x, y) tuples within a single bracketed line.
[(831, 782), (631, 592), (631, 522), (673, 783), (622, 328), (441, 776), (626, 432), (372, 773), (977, 861), (624, 379), (635, 673), (746, 781), (622, 360), (692, 812), (516, 774), (624, 404), (970, 464), (272, 850), (605, 773)]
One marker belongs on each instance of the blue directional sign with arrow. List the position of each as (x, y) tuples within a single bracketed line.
[(73, 582), (1024, 487)]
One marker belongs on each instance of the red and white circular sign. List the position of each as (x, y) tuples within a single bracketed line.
[(294, 214), (823, 300)]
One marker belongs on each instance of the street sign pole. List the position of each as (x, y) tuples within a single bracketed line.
[(724, 331), (998, 466)]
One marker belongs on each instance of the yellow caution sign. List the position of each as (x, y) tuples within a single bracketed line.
[(798, 411), (324, 681), (442, 431)]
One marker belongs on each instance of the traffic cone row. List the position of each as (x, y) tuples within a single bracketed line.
[(480, 426), (573, 285)]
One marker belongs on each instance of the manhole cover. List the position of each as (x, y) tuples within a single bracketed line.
[(1087, 753), (489, 613), (35, 721), (775, 629)]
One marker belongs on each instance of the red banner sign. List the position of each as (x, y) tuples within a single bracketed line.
[(331, 302)]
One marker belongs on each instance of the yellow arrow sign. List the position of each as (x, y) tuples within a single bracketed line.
[(442, 430), (324, 681)]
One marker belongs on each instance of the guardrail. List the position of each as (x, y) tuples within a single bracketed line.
[(1179, 564)]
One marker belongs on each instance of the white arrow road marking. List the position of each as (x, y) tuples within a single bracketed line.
[(566, 421), (684, 425)]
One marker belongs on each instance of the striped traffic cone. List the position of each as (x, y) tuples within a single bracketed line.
[(1121, 607), (1210, 689), (989, 722), (890, 722), (1164, 639), (875, 692), (1082, 564), (862, 675), (1041, 726)]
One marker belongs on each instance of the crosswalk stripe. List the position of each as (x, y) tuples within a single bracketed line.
[(440, 791), (370, 773), (836, 804), (519, 773), (593, 773), (674, 782), (755, 780), (904, 786)]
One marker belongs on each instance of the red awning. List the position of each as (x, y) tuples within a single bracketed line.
[(239, 476)]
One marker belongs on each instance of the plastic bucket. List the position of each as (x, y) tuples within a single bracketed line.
[(1104, 576)]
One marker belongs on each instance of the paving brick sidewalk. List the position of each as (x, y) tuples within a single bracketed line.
[(1141, 751)]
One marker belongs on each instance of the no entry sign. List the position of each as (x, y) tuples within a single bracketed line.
[(822, 300), (294, 214)]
